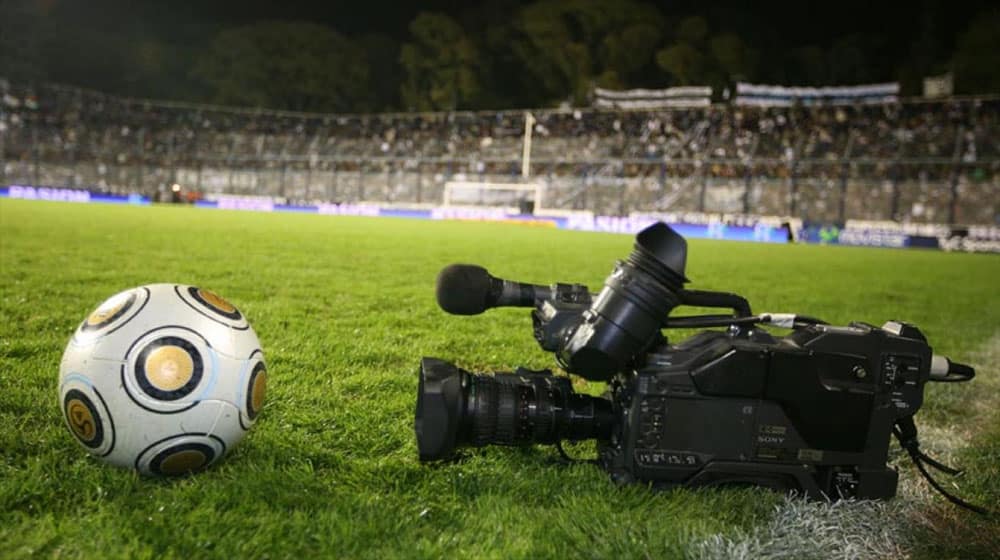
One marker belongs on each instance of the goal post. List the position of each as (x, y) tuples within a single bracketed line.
[(523, 198)]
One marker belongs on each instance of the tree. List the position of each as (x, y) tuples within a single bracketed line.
[(735, 59), (693, 31), (685, 64), (440, 65), (503, 79), (626, 51), (20, 53), (697, 58), (293, 66), (382, 53), (977, 56), (81, 43), (568, 46)]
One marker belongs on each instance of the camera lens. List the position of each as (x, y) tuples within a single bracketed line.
[(456, 408)]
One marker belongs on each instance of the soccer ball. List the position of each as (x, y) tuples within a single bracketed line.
[(163, 378)]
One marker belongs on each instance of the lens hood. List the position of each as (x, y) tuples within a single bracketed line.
[(439, 407)]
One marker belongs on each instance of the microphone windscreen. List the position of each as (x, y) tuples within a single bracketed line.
[(463, 289)]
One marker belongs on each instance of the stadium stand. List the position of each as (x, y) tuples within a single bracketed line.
[(910, 161)]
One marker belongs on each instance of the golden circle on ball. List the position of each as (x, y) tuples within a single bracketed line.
[(259, 390), (81, 420), (169, 368), (216, 301), (108, 309), (185, 461)]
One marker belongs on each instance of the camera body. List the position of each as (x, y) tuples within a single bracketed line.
[(811, 412)]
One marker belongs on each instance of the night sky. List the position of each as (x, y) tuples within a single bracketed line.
[(781, 23), (785, 23), (93, 43)]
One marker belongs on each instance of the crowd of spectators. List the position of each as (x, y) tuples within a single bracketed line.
[(795, 159)]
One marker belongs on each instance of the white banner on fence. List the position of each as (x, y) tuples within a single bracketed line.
[(686, 96), (939, 86), (783, 96)]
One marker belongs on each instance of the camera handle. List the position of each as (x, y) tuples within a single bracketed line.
[(742, 315), (703, 298)]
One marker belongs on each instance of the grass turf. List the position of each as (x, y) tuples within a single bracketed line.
[(344, 308)]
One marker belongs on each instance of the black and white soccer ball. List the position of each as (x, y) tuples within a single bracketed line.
[(162, 378)]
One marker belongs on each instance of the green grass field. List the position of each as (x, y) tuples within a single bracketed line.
[(344, 308)]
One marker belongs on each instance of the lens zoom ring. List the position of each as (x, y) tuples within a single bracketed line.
[(485, 416), (543, 420), (507, 414)]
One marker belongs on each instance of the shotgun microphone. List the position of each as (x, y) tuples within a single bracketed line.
[(468, 289)]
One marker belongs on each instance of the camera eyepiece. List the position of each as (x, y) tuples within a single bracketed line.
[(662, 252), (456, 408), (627, 315)]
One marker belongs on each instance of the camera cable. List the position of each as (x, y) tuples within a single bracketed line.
[(906, 432), (784, 320), (566, 457)]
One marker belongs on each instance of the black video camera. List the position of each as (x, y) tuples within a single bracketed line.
[(811, 412)]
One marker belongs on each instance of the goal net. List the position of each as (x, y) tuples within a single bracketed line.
[(523, 198)]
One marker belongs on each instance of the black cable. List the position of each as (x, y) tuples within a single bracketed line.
[(806, 319), (563, 453), (569, 459), (951, 497), (701, 321), (939, 466), (906, 432)]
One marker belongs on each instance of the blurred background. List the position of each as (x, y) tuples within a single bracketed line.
[(810, 112)]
